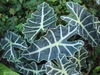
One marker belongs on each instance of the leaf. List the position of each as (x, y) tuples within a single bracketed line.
[(7, 0), (9, 43), (65, 67), (12, 11), (98, 1), (84, 20), (18, 7), (53, 43), (96, 71), (52, 0), (31, 69), (80, 59), (20, 1), (97, 24), (78, 1), (0, 15), (42, 19), (19, 27), (6, 71)]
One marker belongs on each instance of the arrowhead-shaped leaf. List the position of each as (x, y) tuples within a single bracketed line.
[(80, 59), (53, 43), (42, 19), (84, 20), (9, 43), (31, 69), (63, 67)]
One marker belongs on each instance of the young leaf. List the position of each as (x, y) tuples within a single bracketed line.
[(31, 69), (80, 59), (42, 19), (85, 21), (9, 43), (54, 42), (65, 67)]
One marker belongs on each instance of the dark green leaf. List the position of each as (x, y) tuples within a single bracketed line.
[(9, 43), (65, 67), (42, 19), (85, 21), (54, 42), (31, 69)]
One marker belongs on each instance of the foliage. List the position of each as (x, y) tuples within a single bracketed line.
[(9, 43), (6, 71), (96, 71), (48, 48), (13, 13), (80, 59), (31, 69), (98, 1), (65, 67), (42, 19), (85, 21)]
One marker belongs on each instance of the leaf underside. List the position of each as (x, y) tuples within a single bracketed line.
[(9, 43), (41, 20), (54, 42), (65, 67), (84, 20)]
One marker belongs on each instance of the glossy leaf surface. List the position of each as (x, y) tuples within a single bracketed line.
[(65, 67), (84, 20), (31, 69), (53, 43), (80, 59), (9, 43), (41, 20)]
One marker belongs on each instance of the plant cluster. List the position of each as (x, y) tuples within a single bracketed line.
[(13, 13), (50, 48)]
